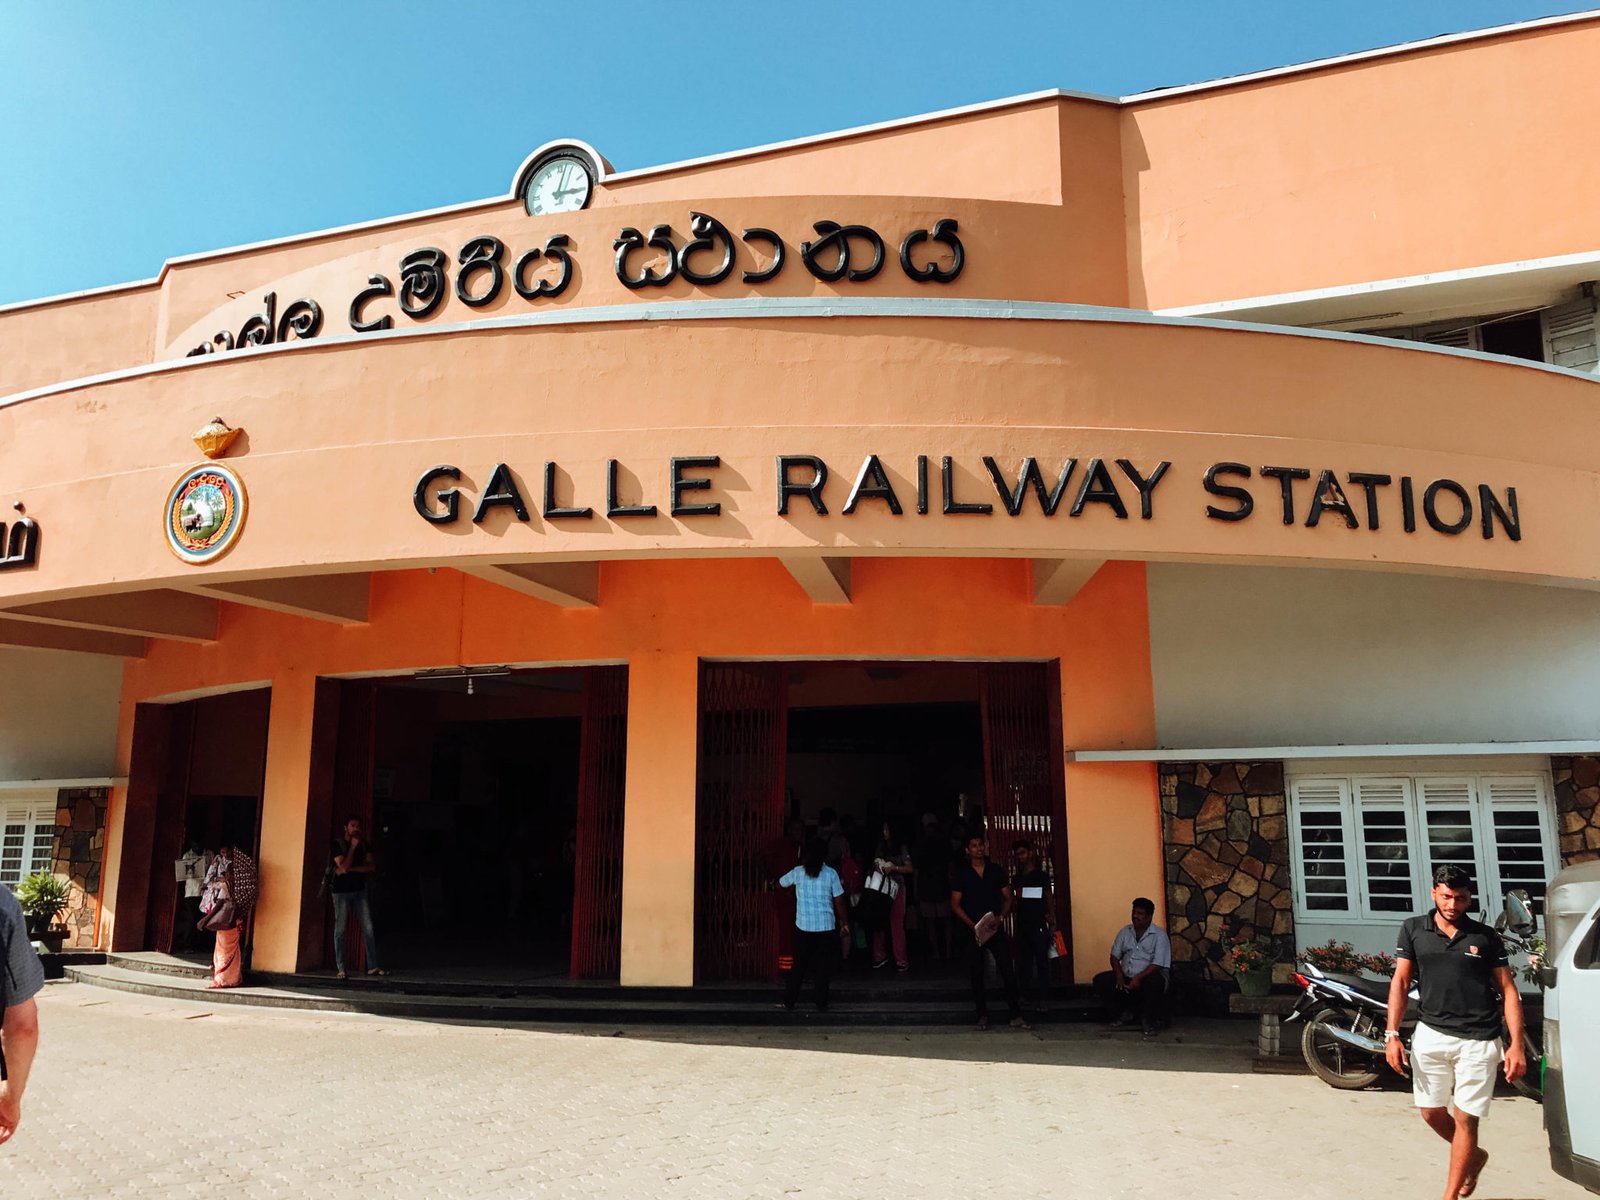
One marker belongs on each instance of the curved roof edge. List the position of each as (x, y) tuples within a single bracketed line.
[(784, 308)]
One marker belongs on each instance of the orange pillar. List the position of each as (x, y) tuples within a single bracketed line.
[(658, 824), (1113, 809), (1113, 854), (285, 788)]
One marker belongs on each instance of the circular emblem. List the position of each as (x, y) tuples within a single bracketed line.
[(205, 511)]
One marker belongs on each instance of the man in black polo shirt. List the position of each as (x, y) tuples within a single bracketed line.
[(1466, 993), (980, 889)]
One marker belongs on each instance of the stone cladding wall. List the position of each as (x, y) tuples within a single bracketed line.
[(79, 848), (1225, 833), (1577, 780)]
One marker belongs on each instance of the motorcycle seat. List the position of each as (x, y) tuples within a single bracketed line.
[(1373, 989)]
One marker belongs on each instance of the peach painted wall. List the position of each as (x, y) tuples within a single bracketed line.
[(1433, 160), (338, 436), (72, 339), (661, 617)]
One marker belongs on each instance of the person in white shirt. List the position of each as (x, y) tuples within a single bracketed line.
[(1141, 967)]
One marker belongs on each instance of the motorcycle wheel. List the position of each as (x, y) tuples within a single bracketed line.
[(1338, 1064), (1529, 1084)]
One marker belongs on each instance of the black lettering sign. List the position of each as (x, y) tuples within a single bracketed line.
[(21, 544), (682, 483), (872, 484), (811, 490), (1447, 505), (445, 506)]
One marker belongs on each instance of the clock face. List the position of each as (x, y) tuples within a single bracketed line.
[(560, 185)]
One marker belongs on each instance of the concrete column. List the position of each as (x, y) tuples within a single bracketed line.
[(285, 787), (659, 821), (1113, 854)]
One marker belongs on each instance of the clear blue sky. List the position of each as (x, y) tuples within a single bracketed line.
[(132, 131)]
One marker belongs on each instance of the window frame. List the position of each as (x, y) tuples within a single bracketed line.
[(1423, 791), (35, 811)]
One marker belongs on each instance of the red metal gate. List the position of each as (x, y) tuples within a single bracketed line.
[(352, 791), (172, 804), (602, 763), (1022, 754), (743, 738)]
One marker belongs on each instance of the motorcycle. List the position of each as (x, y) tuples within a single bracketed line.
[(1346, 1016)]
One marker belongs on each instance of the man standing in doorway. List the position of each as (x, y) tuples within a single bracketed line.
[(1034, 937), (21, 977), (1141, 961), (1467, 992), (352, 864), (980, 898)]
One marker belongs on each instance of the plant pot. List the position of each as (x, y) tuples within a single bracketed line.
[(1255, 983), (52, 938)]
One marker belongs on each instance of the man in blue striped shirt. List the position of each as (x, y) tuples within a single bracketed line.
[(819, 918)]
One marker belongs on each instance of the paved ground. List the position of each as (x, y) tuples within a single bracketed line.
[(135, 1097)]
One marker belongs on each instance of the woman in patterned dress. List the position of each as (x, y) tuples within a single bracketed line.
[(230, 881)]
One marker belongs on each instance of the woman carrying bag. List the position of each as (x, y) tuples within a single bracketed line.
[(892, 869), (225, 905)]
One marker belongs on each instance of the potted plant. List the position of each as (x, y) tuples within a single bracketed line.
[(42, 896), (1251, 958)]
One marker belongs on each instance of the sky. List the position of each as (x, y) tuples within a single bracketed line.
[(134, 131)]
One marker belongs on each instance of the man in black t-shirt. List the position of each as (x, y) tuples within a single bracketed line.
[(1031, 887), (352, 863), (1465, 993), (980, 890)]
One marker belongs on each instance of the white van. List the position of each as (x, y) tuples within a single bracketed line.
[(1570, 973)]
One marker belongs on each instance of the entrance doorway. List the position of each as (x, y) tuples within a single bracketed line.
[(493, 800), (853, 745), (195, 783)]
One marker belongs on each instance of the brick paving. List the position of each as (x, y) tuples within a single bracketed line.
[(140, 1097)]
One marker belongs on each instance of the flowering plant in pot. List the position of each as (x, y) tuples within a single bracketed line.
[(1250, 957), (42, 897)]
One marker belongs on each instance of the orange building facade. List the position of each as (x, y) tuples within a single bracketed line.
[(1196, 483)]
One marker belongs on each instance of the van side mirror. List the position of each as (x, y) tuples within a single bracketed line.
[(1518, 913), (1547, 976)]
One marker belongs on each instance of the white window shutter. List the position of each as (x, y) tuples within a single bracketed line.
[(1386, 830), (16, 828), (1451, 832), (1461, 335), (1322, 847), (1572, 335), (1521, 841), (27, 838)]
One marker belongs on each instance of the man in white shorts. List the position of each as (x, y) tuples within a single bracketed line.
[(1466, 993)]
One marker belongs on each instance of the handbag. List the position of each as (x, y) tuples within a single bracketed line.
[(220, 917), (1058, 946), (882, 881)]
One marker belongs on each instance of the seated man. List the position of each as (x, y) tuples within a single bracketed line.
[(1141, 962)]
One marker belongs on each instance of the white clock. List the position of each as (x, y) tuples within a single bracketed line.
[(559, 185)]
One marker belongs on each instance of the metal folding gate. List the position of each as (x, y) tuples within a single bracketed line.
[(352, 790), (1022, 753), (602, 764), (743, 737)]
